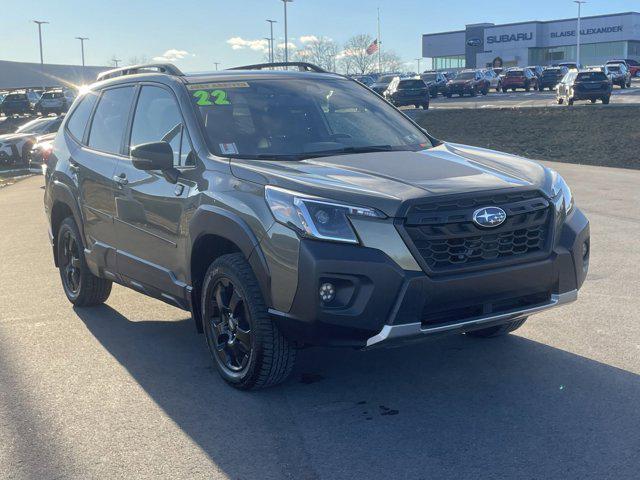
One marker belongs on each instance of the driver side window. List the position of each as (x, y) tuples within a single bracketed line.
[(157, 119)]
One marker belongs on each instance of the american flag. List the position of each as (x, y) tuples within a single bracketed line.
[(373, 48)]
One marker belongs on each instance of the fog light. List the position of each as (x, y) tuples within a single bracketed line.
[(327, 292)]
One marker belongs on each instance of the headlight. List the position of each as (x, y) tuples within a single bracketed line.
[(560, 187), (316, 217)]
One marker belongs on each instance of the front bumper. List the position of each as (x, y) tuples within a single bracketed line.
[(378, 302)]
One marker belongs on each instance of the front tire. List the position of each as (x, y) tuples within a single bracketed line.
[(246, 346), (81, 287), (498, 330)]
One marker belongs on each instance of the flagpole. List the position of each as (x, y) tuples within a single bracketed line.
[(379, 44)]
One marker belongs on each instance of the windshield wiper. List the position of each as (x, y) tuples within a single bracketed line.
[(349, 150)]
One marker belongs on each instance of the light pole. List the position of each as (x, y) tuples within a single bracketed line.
[(286, 34), (216, 64), (418, 60), (271, 54), (40, 23), (82, 39), (269, 48), (116, 61), (579, 2)]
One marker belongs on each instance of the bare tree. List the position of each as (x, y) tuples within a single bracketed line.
[(321, 52), (390, 61), (354, 57)]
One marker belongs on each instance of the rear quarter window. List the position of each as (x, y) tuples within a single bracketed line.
[(77, 123)]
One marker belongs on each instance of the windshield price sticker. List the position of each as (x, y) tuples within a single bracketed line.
[(213, 86), (213, 97)]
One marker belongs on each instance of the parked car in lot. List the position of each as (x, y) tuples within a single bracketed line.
[(364, 79), (468, 82), (33, 99), (516, 78), (15, 103), (536, 70), (39, 153), (403, 92), (436, 82), (589, 85), (632, 65), (335, 220), (493, 78), (569, 65), (618, 74), (383, 83), (550, 77), (53, 101), (15, 147)]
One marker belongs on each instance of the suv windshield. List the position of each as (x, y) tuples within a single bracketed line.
[(466, 76), (429, 77), (300, 118), (591, 77)]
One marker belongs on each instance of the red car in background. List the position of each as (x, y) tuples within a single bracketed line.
[(519, 78), (632, 65)]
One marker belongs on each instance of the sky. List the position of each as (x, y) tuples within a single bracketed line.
[(194, 34)]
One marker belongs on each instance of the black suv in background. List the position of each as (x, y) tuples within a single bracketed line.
[(436, 82), (589, 85), (408, 91), (289, 208), (15, 103), (550, 77)]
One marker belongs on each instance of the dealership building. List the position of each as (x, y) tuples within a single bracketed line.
[(602, 38)]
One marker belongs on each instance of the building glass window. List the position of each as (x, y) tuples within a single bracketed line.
[(590, 53), (445, 63)]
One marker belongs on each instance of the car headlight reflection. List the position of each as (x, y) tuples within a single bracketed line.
[(316, 217)]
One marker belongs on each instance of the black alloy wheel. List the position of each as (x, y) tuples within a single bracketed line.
[(229, 327), (70, 263)]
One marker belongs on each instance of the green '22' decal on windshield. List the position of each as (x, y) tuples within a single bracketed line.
[(204, 97)]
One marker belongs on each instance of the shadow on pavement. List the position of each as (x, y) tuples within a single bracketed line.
[(452, 408)]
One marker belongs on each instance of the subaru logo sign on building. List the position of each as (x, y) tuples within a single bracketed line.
[(489, 216), (474, 42)]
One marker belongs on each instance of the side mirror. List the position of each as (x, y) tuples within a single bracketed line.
[(155, 156), (152, 156)]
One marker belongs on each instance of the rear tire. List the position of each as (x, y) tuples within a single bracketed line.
[(560, 100), (592, 100), (425, 106), (81, 287), (246, 346), (605, 100), (498, 330)]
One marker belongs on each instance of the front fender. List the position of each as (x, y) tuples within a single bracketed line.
[(212, 220)]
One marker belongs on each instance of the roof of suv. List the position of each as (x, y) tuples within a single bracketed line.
[(156, 71)]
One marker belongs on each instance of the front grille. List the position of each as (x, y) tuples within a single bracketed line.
[(446, 238)]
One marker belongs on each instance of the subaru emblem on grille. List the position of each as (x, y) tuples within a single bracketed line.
[(489, 216)]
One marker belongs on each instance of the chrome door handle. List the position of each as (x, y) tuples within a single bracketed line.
[(120, 179)]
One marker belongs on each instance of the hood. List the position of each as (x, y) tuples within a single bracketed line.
[(384, 180), (15, 137)]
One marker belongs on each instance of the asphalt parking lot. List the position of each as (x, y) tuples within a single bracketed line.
[(127, 390), (520, 98)]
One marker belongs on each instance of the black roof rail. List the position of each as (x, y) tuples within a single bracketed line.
[(167, 68), (302, 66)]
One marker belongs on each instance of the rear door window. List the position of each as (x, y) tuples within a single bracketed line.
[(80, 116), (110, 120)]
